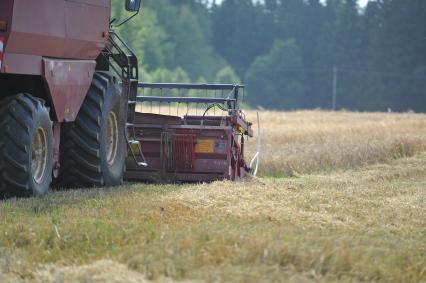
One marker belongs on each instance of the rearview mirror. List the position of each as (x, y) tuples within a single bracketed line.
[(133, 5)]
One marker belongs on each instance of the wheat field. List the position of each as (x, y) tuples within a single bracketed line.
[(316, 141), (341, 198)]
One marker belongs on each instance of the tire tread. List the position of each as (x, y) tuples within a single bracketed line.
[(17, 112), (80, 146)]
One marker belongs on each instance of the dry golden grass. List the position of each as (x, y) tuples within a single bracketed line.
[(315, 141), (367, 223)]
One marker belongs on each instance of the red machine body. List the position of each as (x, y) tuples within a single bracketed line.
[(66, 83), (57, 40)]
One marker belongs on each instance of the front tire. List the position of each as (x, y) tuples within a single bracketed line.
[(93, 148), (25, 146)]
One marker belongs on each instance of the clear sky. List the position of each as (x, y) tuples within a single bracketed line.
[(362, 3)]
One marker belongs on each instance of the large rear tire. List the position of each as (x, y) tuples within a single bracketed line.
[(93, 148), (25, 146)]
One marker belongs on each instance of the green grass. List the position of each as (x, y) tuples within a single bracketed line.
[(366, 224)]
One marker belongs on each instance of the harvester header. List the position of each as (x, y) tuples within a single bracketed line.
[(190, 132)]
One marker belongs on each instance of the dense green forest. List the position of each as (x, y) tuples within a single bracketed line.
[(290, 54)]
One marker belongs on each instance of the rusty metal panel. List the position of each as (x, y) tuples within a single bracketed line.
[(38, 28), (69, 81), (69, 29), (6, 8), (22, 64), (87, 25), (102, 3)]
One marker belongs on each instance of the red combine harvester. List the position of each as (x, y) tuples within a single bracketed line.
[(68, 98)]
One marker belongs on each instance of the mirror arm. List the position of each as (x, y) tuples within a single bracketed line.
[(126, 20)]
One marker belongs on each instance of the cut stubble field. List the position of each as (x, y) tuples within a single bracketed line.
[(341, 198)]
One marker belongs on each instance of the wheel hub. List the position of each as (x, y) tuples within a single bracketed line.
[(39, 155), (112, 138)]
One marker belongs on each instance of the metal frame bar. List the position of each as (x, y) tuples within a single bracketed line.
[(183, 99), (231, 101), (190, 86)]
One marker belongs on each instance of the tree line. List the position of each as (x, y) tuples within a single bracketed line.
[(290, 54)]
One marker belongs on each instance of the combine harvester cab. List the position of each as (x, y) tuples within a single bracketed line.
[(188, 137)]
